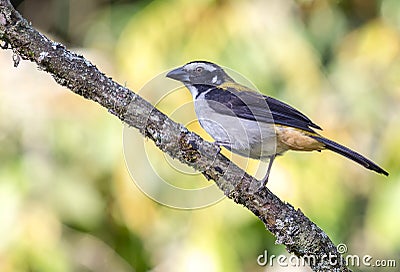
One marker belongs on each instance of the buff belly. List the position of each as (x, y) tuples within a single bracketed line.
[(289, 138)]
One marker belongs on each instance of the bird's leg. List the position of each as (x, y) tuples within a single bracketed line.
[(265, 179)]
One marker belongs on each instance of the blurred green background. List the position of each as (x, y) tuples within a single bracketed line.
[(67, 202)]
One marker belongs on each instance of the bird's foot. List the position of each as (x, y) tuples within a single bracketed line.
[(264, 181)]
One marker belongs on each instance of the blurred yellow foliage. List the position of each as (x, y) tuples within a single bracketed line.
[(67, 202)]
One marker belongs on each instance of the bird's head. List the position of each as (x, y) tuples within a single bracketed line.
[(200, 72)]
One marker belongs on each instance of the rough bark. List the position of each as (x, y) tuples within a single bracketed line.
[(290, 226)]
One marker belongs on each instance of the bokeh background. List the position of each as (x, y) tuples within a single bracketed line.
[(67, 201)]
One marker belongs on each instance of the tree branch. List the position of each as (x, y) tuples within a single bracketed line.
[(291, 227)]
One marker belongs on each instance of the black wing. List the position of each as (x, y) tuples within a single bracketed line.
[(284, 114), (254, 106)]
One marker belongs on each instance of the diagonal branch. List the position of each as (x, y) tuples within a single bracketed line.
[(291, 227)]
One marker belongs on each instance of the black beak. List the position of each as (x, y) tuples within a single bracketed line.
[(179, 74)]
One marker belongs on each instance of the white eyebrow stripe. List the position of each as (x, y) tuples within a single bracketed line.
[(192, 66)]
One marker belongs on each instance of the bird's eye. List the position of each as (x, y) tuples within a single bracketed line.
[(199, 69)]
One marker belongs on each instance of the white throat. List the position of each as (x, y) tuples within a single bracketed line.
[(193, 90)]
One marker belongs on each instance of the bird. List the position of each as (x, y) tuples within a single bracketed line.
[(251, 124)]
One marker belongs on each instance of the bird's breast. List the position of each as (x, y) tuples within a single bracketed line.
[(242, 136)]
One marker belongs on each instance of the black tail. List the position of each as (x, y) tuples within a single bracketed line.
[(348, 153)]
